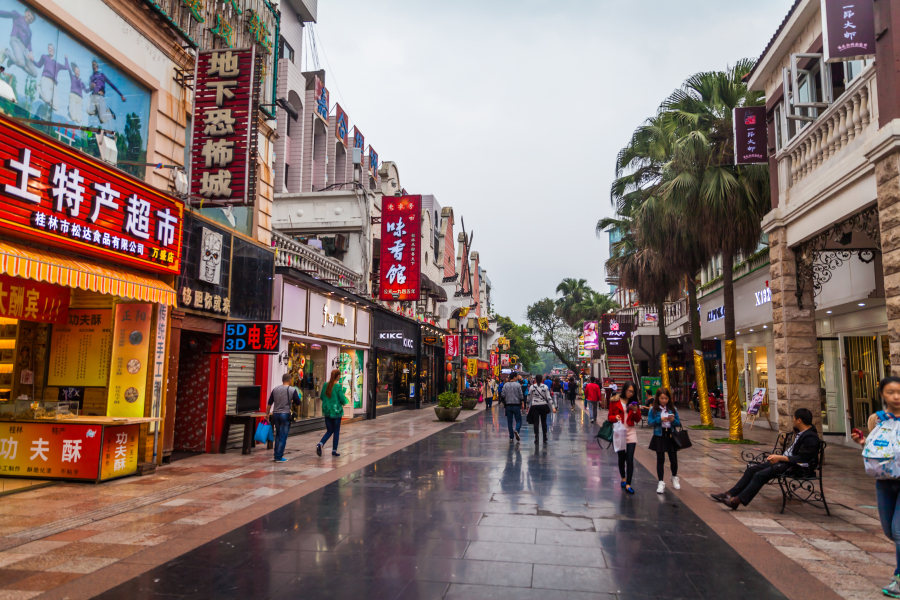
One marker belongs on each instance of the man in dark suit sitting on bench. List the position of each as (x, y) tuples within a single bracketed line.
[(803, 453)]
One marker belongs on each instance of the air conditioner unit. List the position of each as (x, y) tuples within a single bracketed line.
[(341, 242), (106, 143)]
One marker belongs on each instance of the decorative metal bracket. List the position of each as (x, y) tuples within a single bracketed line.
[(817, 264)]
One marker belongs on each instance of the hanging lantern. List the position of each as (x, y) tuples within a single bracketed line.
[(449, 367), (449, 377)]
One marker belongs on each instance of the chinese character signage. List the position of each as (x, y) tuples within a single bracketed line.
[(159, 363), (322, 108), (53, 195), (616, 335), (223, 150), (33, 301), (495, 359), (471, 345), (472, 367), (483, 323), (373, 161), (130, 354), (120, 451), (591, 335), (203, 284), (252, 337), (751, 136), (848, 29), (67, 450), (342, 127), (400, 233), (80, 349), (359, 140), (452, 349)]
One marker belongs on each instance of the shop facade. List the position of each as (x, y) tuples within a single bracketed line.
[(88, 255), (432, 372), (323, 328), (395, 340)]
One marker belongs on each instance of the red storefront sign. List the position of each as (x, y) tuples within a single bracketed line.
[(33, 301), (495, 359), (61, 450), (751, 136), (58, 196), (400, 231), (452, 342), (226, 96)]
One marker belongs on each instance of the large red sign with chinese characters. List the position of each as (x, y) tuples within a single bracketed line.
[(33, 301), (56, 195), (223, 150), (400, 216), (452, 348)]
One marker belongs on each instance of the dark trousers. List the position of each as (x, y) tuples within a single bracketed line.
[(540, 420), (754, 478), (490, 400), (332, 426), (281, 425), (626, 462), (513, 412)]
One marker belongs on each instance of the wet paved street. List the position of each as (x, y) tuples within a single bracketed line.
[(465, 514)]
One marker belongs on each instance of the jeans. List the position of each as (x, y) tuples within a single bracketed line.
[(592, 408), (755, 477), (626, 462), (513, 412), (332, 425), (490, 400), (281, 424), (888, 493)]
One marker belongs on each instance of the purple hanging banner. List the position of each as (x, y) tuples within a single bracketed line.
[(848, 29), (750, 135)]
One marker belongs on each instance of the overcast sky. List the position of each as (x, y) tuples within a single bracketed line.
[(513, 112)]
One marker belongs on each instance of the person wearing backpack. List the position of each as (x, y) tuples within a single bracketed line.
[(883, 424), (803, 454)]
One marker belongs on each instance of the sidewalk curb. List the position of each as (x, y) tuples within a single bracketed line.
[(793, 580), (133, 566)]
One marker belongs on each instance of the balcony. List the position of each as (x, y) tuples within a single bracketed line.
[(313, 262)]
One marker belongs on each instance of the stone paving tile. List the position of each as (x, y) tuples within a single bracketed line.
[(44, 564)]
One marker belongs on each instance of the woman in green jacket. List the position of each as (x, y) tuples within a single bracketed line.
[(333, 401)]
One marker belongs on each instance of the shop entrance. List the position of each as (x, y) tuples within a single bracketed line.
[(192, 400), (396, 382), (830, 396), (307, 364), (862, 375)]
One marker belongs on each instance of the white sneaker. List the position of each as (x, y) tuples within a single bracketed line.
[(661, 487), (676, 483)]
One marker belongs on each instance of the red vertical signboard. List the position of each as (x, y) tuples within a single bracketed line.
[(400, 247), (223, 150), (750, 135), (848, 29), (452, 342)]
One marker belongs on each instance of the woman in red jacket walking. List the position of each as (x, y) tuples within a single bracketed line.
[(624, 409)]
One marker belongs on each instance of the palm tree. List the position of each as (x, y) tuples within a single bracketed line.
[(573, 292), (593, 307), (731, 200)]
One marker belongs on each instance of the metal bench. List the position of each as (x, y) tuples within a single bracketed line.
[(797, 483)]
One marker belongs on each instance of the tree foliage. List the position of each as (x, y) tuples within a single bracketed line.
[(553, 333), (521, 341)]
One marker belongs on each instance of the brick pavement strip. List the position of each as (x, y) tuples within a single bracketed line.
[(847, 552), (174, 509)]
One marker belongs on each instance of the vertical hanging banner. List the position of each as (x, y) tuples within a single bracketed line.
[(452, 342), (322, 108), (751, 137), (342, 127), (591, 335), (159, 364), (848, 29), (223, 150), (400, 248), (373, 161), (130, 352), (472, 367)]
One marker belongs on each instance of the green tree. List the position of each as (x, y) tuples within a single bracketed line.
[(573, 291), (729, 200), (553, 332), (521, 341)]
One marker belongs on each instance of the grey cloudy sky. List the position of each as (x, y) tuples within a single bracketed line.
[(513, 112)]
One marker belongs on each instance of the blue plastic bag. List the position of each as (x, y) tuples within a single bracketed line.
[(264, 433)]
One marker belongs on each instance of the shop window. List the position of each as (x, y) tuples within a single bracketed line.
[(307, 364), (124, 108), (830, 386), (862, 376), (352, 367)]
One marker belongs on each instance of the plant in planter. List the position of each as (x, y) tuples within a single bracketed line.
[(448, 406), (469, 398)]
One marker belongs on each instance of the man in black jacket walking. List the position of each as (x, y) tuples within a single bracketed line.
[(802, 454)]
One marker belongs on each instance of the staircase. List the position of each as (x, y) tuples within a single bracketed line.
[(619, 368)]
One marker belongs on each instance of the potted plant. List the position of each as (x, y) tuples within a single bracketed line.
[(448, 406), (469, 398)]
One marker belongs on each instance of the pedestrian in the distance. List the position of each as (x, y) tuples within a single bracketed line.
[(279, 413), (624, 409), (515, 402), (333, 401), (663, 417), (489, 394), (557, 390), (887, 490), (572, 390), (540, 401), (592, 393)]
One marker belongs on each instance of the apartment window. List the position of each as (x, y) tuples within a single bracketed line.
[(286, 51)]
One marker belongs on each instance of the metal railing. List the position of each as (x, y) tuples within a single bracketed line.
[(312, 261)]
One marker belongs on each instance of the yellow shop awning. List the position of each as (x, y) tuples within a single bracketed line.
[(31, 263)]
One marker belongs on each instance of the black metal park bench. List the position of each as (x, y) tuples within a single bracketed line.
[(798, 483)]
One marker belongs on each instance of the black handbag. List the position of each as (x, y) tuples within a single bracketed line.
[(531, 417), (681, 439)]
